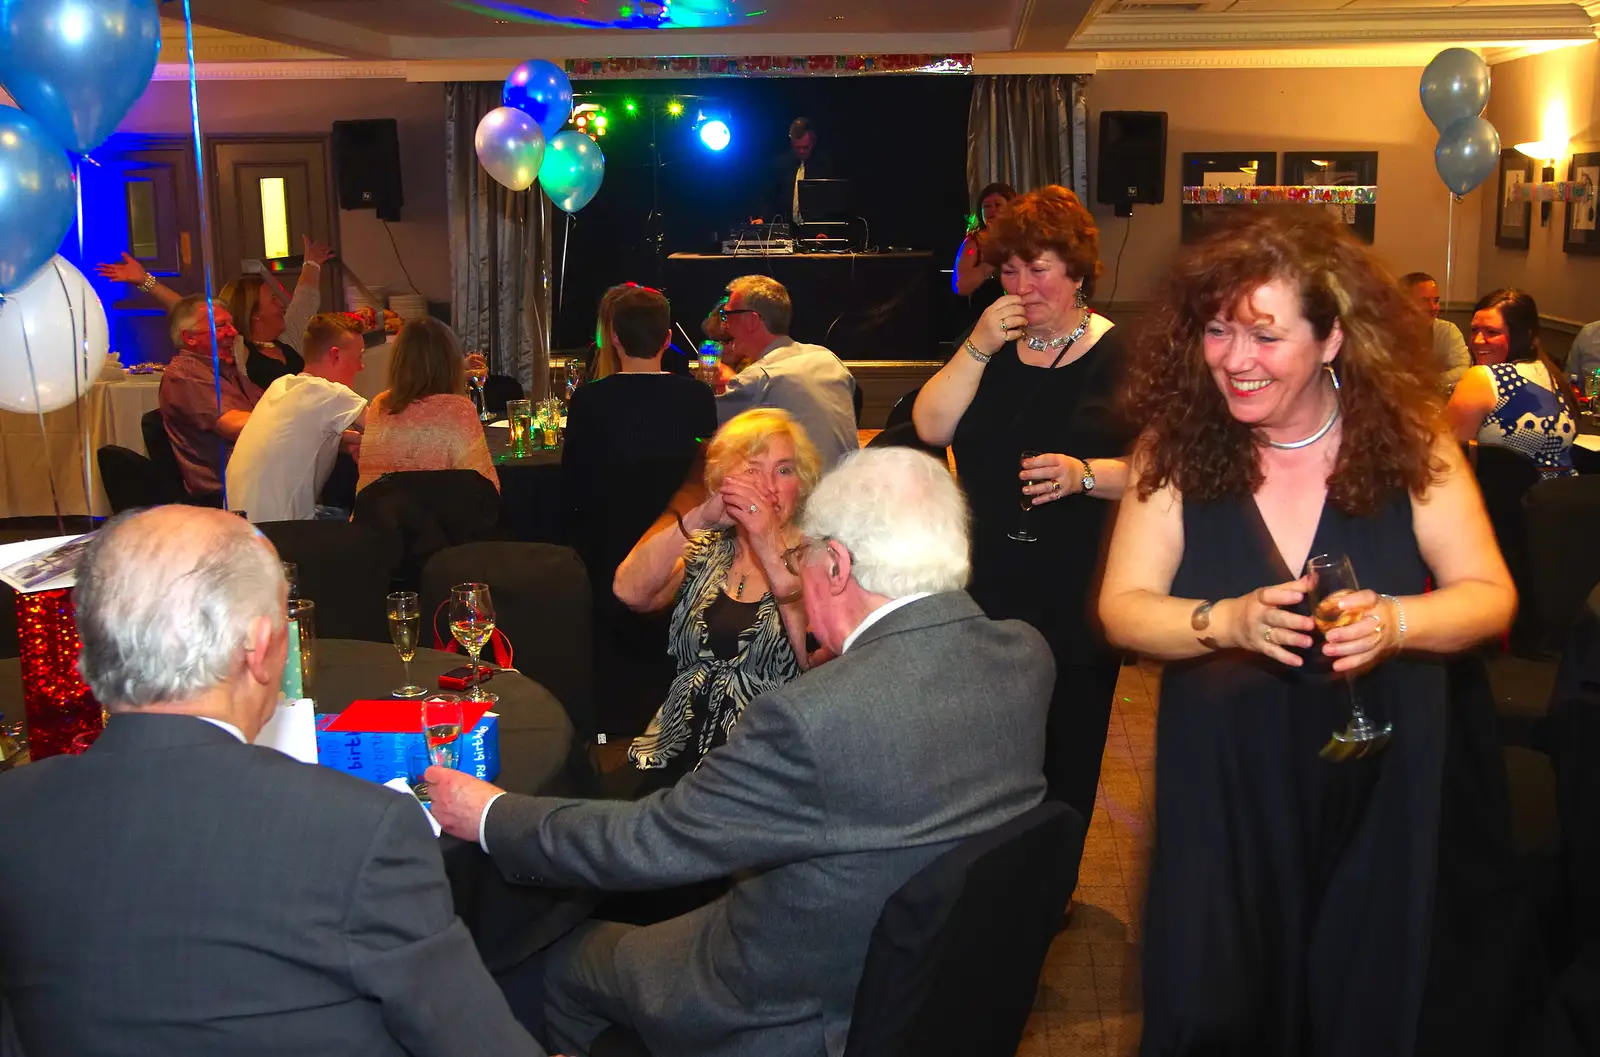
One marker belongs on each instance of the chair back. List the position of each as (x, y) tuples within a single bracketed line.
[(904, 435), (131, 481), (1504, 477), (857, 398), (345, 569), (499, 390), (953, 965), (1561, 564), (901, 411), (429, 510), (158, 447), (542, 603)]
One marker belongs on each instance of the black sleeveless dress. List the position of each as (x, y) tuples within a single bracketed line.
[(1290, 898)]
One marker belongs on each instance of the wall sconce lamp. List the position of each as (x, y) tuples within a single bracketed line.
[(1546, 151)]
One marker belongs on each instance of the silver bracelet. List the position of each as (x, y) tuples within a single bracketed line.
[(972, 350), (1399, 620), (149, 283)]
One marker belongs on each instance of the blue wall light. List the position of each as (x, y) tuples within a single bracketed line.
[(715, 134)]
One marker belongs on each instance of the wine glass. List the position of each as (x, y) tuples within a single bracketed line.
[(291, 573), (1022, 535), (478, 374), (442, 718), (472, 624), (1332, 579), (405, 626)]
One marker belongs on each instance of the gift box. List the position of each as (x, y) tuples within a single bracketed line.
[(381, 755)]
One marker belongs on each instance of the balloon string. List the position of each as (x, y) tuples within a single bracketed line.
[(566, 240), (80, 365), (77, 184), (38, 407), (205, 236), (1450, 250)]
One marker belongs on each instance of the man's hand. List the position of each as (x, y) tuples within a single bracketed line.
[(458, 800)]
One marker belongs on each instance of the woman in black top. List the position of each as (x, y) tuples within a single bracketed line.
[(974, 278), (1038, 374)]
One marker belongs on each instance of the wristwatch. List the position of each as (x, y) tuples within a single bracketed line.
[(1200, 619), (1088, 477)]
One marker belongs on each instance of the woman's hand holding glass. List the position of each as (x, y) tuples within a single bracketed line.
[(1367, 640), (1052, 475), (1260, 621), (1001, 322)]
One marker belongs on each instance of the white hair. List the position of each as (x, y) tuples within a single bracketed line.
[(902, 517), (164, 610), (183, 315)]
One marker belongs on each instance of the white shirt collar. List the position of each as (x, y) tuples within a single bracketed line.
[(229, 727), (878, 614)]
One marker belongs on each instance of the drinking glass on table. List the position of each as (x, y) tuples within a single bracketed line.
[(1332, 579), (291, 573), (303, 612), (405, 626), (472, 624), (1022, 535), (519, 416), (478, 374), (442, 717)]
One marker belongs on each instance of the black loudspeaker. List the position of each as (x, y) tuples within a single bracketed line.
[(1133, 159), (366, 166)]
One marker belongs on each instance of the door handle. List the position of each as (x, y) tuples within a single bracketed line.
[(183, 248)]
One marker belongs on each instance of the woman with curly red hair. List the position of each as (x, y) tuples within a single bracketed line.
[(1287, 398), (1027, 405)]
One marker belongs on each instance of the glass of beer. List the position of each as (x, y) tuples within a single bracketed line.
[(519, 416), (405, 627), (1333, 578), (303, 612), (442, 717)]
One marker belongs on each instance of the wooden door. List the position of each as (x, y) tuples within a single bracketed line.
[(269, 192), (141, 198)]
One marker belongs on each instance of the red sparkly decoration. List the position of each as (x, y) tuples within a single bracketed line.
[(58, 706)]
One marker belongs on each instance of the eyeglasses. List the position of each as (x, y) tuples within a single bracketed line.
[(796, 557), (724, 312)]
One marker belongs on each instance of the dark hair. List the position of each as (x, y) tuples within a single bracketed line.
[(1410, 279), (1392, 413), (800, 126), (641, 321), (1005, 191), (1520, 315), (1050, 218), (427, 361)]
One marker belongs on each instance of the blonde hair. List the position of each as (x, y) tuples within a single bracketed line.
[(324, 332), (242, 296), (427, 362), (605, 362), (747, 435)]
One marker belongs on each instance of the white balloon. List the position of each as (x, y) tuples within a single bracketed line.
[(65, 325)]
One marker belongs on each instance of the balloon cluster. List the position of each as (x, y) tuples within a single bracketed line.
[(521, 142), (75, 67), (1455, 89)]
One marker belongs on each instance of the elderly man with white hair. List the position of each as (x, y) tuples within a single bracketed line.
[(204, 406), (177, 890), (832, 791)]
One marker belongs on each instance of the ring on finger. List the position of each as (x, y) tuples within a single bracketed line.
[(1266, 633), (1055, 486)]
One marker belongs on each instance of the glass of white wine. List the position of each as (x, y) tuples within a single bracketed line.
[(472, 623), (1332, 579), (442, 717), (478, 375), (405, 626)]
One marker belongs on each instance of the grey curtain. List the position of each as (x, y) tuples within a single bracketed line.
[(1029, 131), (499, 251)]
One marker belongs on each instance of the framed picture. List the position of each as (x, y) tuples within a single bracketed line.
[(1333, 167), (1583, 231), (1246, 168), (1513, 220)]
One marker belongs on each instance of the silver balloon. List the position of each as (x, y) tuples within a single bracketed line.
[(1467, 154), (49, 327), (511, 147), (1454, 86)]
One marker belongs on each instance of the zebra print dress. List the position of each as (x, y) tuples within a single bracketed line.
[(710, 694)]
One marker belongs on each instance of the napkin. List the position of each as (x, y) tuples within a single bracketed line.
[(400, 785), (292, 730)]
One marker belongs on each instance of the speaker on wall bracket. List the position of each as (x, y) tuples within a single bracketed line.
[(366, 166), (1132, 168)]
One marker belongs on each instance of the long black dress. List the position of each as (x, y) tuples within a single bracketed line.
[(1068, 411), (1291, 898)]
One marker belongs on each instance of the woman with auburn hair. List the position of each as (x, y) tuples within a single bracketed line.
[(425, 420), (1027, 405), (1289, 410)]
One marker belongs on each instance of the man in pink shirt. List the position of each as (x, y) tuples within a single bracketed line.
[(202, 425)]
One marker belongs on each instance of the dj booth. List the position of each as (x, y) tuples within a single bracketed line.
[(863, 306)]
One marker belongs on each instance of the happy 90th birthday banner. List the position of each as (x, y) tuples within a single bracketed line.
[(1252, 194), (747, 65)]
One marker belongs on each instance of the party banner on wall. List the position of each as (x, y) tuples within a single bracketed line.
[(770, 65)]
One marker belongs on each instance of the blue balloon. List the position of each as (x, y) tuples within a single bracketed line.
[(1467, 154), (541, 90), (38, 202), (1454, 86), (572, 170)]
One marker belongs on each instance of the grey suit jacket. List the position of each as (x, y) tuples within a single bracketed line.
[(810, 383), (829, 794), (174, 891)]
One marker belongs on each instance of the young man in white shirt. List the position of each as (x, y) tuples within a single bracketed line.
[(287, 450)]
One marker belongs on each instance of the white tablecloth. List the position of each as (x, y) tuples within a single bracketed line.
[(110, 413)]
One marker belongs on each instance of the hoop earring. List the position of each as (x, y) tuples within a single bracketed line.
[(1332, 375), (1081, 300)]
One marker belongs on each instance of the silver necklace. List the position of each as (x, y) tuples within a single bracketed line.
[(1318, 435), (1041, 345)]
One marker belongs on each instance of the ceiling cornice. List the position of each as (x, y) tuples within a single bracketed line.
[(1186, 31)]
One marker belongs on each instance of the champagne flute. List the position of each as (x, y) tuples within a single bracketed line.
[(405, 626), (1022, 535), (478, 374), (1332, 580), (442, 719), (472, 624)]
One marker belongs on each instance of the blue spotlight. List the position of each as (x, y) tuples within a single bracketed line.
[(715, 134)]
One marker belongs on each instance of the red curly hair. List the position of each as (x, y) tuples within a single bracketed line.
[(1050, 218), (1391, 411)]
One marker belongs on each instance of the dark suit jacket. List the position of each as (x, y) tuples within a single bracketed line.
[(779, 196), (829, 794), (173, 891)]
